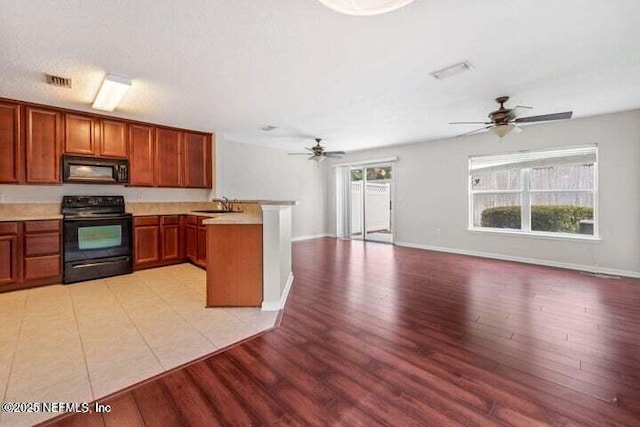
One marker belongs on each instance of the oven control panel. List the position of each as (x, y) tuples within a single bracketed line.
[(92, 201)]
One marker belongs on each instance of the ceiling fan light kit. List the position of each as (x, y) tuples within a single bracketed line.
[(502, 130), (318, 154), (365, 7), (505, 120)]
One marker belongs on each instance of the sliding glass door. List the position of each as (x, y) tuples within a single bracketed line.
[(372, 203)]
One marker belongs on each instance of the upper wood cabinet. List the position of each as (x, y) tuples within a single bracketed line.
[(10, 143), (80, 134), (114, 139), (141, 156), (197, 160), (33, 139), (168, 158), (93, 136), (43, 141)]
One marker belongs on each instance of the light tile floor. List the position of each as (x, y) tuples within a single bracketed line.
[(81, 342)]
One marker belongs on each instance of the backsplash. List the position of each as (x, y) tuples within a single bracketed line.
[(53, 193)]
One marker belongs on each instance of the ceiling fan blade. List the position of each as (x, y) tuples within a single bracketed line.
[(522, 106), (545, 117), (308, 149), (476, 130), (337, 156), (470, 123), (341, 153)]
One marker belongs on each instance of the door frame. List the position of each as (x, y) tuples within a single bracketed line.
[(392, 208)]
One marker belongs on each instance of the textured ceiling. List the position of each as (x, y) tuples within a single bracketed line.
[(235, 66)]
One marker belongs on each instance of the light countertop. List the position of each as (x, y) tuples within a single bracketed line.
[(252, 212)]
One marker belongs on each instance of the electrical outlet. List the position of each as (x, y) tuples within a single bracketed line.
[(138, 196), (1, 197)]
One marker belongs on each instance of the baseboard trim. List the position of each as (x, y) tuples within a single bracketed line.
[(311, 237), (279, 305), (547, 263)]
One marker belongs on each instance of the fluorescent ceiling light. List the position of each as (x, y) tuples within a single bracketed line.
[(111, 92), (452, 70), (502, 130), (365, 7)]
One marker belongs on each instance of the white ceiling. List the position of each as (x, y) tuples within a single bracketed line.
[(235, 66)]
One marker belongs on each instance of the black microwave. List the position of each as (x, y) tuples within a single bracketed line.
[(94, 170)]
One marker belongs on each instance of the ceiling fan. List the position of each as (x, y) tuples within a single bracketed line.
[(317, 152), (505, 120)]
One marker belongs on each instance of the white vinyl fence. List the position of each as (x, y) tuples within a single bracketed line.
[(378, 199)]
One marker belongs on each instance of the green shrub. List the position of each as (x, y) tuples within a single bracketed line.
[(501, 217), (560, 218)]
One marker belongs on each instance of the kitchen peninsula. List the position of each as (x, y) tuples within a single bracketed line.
[(249, 255)]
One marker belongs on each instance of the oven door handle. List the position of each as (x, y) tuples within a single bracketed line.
[(97, 218), (99, 263)]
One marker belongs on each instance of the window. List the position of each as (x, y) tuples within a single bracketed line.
[(536, 192)]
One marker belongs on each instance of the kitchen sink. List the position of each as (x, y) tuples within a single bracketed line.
[(216, 211)]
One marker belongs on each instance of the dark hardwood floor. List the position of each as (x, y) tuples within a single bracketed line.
[(379, 335)]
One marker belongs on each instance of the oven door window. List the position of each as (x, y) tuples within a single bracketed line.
[(99, 237), (86, 239)]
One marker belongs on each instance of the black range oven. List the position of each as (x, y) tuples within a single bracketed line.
[(97, 237)]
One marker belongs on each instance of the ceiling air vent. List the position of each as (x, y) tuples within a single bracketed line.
[(58, 81)]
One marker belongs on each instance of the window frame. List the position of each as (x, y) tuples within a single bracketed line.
[(526, 193)]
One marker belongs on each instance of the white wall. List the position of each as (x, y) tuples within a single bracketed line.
[(246, 171), (431, 192), (53, 193)]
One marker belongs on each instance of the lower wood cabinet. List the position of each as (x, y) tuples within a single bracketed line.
[(146, 237), (9, 255), (158, 241), (42, 251), (30, 254), (170, 238), (196, 240)]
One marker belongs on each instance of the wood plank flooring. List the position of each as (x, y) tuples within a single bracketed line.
[(379, 335)]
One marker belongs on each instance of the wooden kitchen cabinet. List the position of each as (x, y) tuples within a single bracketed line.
[(197, 160), (11, 163), (114, 139), (191, 242), (157, 241), (92, 136), (80, 134), (146, 235), (33, 138), (9, 255), (196, 240), (168, 158), (170, 237), (141, 156), (43, 145), (30, 254), (234, 274), (42, 255)]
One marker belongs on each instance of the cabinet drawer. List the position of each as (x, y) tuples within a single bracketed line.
[(41, 244), (8, 228), (41, 226), (146, 220), (170, 220), (40, 267)]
